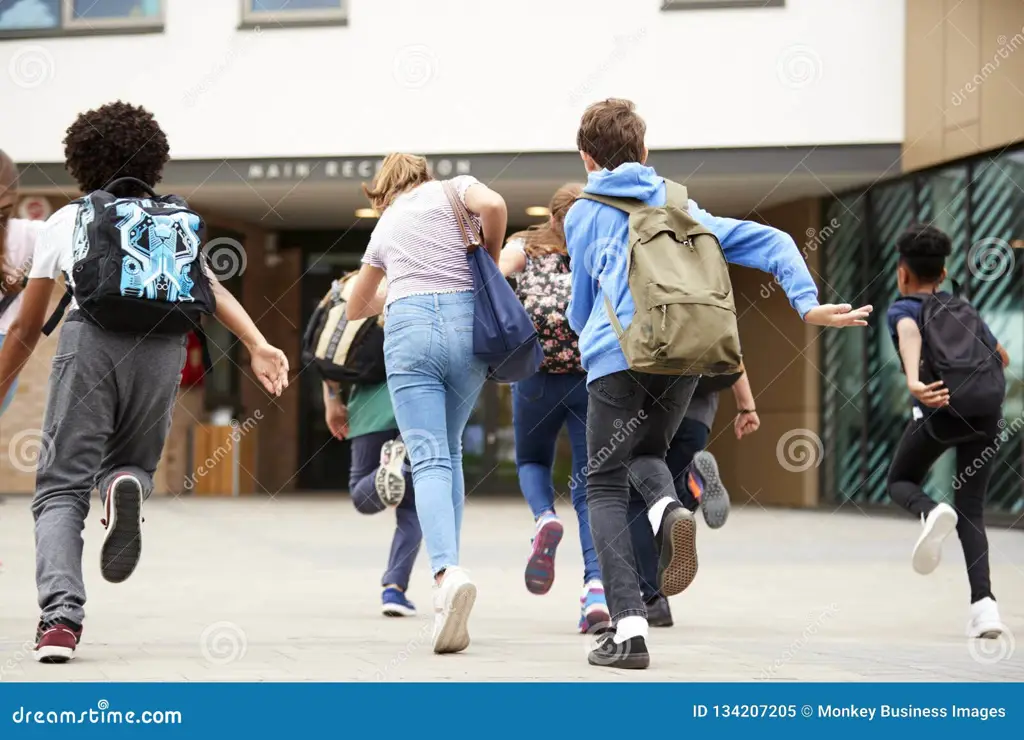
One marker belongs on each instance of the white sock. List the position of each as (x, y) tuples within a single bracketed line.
[(630, 627), (656, 512)]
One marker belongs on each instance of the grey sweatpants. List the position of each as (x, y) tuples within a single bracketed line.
[(108, 412)]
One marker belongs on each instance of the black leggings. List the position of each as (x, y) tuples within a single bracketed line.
[(916, 453)]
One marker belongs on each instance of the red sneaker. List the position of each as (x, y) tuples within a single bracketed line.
[(56, 644), (122, 547)]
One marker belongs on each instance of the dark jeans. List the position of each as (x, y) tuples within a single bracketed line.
[(690, 438), (541, 405), (631, 419), (405, 545), (916, 453)]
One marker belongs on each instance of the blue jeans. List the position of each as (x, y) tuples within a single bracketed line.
[(6, 400), (434, 379), (689, 439), (541, 404), (405, 545)]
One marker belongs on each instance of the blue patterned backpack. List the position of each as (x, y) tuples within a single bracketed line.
[(138, 264)]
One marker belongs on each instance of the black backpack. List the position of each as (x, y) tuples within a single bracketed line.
[(341, 350), (138, 264), (956, 349), (716, 383)]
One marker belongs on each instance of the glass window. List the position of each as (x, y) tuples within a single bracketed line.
[(77, 16), (284, 12), (20, 15), (116, 9)]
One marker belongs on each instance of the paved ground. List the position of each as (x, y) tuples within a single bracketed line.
[(286, 590)]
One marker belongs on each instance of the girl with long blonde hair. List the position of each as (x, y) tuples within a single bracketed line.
[(433, 376)]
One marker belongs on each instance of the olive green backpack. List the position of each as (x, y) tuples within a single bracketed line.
[(685, 317)]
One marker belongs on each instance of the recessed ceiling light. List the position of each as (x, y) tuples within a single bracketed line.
[(366, 213), (539, 211)]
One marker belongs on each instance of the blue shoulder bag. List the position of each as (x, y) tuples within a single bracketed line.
[(503, 335)]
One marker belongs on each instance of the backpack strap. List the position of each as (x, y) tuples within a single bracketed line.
[(677, 195), (627, 205), (58, 313)]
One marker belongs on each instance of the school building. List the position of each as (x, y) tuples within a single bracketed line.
[(840, 122)]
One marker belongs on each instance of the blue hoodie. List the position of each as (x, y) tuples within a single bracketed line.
[(598, 238)]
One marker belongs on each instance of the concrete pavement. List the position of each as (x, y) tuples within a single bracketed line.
[(287, 590)]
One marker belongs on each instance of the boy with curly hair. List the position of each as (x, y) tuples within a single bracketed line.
[(111, 394)]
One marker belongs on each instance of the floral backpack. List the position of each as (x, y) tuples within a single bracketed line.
[(544, 288)]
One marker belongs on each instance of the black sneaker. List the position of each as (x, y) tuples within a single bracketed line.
[(677, 545), (658, 613), (631, 653), (122, 546)]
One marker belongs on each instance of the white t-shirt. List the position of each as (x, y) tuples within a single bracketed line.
[(418, 244), (55, 249), (19, 250)]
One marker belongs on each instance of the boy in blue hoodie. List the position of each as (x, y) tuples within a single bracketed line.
[(633, 416)]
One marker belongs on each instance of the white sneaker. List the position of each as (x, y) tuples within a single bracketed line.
[(390, 478), (453, 601), (985, 621), (937, 526)]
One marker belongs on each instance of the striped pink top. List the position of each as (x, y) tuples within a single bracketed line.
[(418, 244)]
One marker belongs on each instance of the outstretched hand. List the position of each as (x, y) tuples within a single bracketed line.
[(838, 315), (271, 367)]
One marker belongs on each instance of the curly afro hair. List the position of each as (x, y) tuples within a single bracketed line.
[(115, 140), (923, 249)]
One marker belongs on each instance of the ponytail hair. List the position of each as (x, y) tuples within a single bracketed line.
[(397, 174)]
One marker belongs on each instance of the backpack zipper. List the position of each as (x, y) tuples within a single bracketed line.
[(664, 316)]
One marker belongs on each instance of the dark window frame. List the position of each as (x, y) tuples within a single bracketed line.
[(70, 26), (264, 19), (720, 4)]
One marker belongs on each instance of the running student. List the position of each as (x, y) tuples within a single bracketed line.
[(378, 479), (936, 427), (554, 397), (433, 376), (611, 143), (17, 245), (697, 484), (111, 395)]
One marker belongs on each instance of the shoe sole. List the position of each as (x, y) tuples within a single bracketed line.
[(53, 654), (928, 550), (629, 662), (990, 634), (677, 566), (389, 481), (122, 547), (596, 621), (397, 610), (714, 503), (540, 568), (454, 635)]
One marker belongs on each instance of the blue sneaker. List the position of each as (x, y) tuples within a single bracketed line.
[(395, 604)]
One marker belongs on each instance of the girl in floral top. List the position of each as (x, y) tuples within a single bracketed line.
[(538, 262)]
